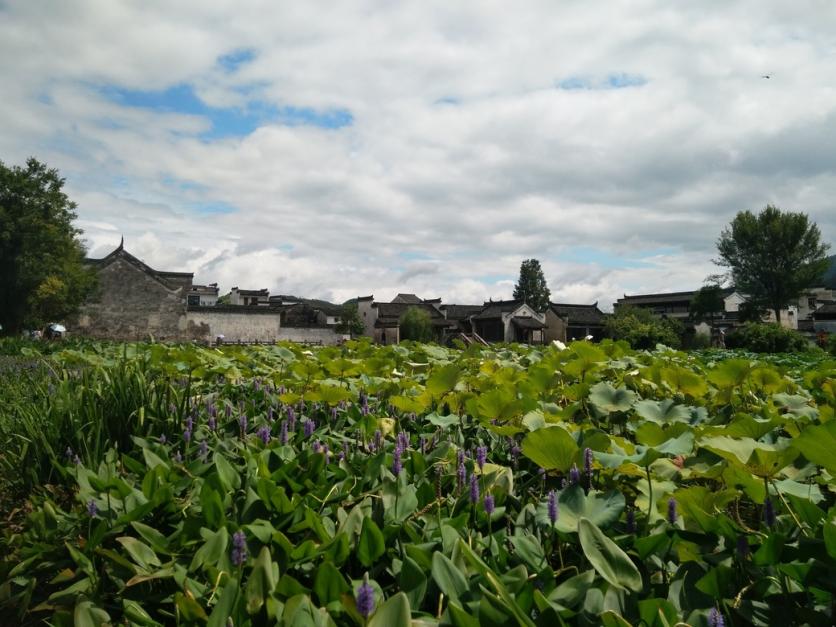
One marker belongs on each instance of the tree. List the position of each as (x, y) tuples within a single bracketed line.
[(707, 304), (42, 272), (643, 330), (416, 324), (531, 287), (772, 257), (350, 320)]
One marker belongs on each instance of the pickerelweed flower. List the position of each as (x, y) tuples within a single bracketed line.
[(270, 414), (264, 434), (397, 466), (474, 489), (203, 450), (242, 423), (378, 440), (552, 507), (327, 454), (291, 419), (587, 461), (68, 453), (461, 476), (310, 427), (364, 598), (459, 457), (178, 458), (422, 444), (345, 450), (769, 512), (574, 475), (228, 411), (317, 447), (333, 414), (403, 440), (283, 432), (481, 456), (212, 423), (715, 618), (671, 510), (489, 504), (92, 508), (190, 423), (187, 435), (239, 548), (162, 438)]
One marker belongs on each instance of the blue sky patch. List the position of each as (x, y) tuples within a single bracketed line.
[(589, 254), (617, 80), (232, 61), (229, 121), (212, 207)]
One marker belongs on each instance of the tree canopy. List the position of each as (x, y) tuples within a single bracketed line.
[(772, 257), (531, 287), (42, 273), (416, 324), (350, 321), (707, 303), (642, 329)]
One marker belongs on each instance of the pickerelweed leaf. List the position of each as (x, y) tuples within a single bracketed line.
[(607, 558)]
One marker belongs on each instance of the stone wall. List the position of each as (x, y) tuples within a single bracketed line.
[(312, 334), (130, 304), (206, 324)]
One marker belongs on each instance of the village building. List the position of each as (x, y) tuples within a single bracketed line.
[(133, 301), (203, 295), (509, 321), (566, 322), (249, 298), (382, 321)]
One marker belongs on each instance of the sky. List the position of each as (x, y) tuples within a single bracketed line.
[(332, 150)]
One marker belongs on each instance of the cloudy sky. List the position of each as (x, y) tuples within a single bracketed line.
[(336, 149)]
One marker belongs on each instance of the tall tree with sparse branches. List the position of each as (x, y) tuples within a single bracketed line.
[(531, 287), (42, 273), (772, 257)]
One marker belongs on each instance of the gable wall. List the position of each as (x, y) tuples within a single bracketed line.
[(130, 304)]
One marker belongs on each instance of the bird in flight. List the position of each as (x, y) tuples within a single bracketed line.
[(765, 76)]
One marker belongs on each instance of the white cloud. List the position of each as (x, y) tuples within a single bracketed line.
[(462, 150)]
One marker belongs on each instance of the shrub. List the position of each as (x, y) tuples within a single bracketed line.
[(643, 330), (416, 324), (759, 337)]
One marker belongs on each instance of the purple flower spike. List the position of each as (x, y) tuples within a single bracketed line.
[(397, 466), (459, 457), (239, 548), (474, 489), (212, 423), (178, 457), (187, 435), (317, 447), (587, 461), (333, 414), (242, 423), (92, 508), (291, 419), (264, 434), (489, 504), (365, 598), (162, 439), (310, 427), (671, 510), (378, 440), (552, 507), (422, 444), (203, 451), (228, 411), (715, 618), (270, 414), (283, 435), (769, 512), (481, 456), (574, 475), (461, 476)]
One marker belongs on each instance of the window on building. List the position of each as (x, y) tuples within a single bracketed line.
[(193, 299)]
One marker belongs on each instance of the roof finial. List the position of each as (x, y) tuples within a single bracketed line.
[(121, 243)]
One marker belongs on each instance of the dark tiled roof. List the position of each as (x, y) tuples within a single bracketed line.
[(495, 309), (407, 298), (665, 297), (396, 310), (586, 314), (527, 323), (262, 292), (825, 312), (205, 289), (461, 312)]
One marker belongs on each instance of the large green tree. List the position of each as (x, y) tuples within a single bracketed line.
[(350, 321), (707, 304), (531, 287), (772, 257), (42, 273)]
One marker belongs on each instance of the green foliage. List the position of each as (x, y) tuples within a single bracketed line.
[(772, 257), (707, 304), (416, 324), (531, 286), (194, 509), (643, 330), (42, 274), (767, 338), (350, 321)]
